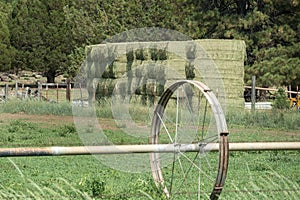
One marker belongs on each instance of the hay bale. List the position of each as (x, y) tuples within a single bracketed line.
[(229, 56), (170, 61), (119, 69)]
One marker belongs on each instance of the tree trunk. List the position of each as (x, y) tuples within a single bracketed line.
[(51, 76), (242, 7)]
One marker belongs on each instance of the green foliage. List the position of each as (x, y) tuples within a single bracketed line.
[(41, 37), (49, 36), (251, 174), (21, 127), (21, 133), (285, 119), (95, 186), (66, 130), (36, 107), (6, 51), (140, 54), (281, 101), (272, 38), (189, 71), (76, 58), (84, 177)]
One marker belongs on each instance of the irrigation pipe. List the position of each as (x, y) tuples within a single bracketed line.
[(149, 148)]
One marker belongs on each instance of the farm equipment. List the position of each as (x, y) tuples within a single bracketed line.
[(188, 157), (293, 97), (181, 145), (294, 103)]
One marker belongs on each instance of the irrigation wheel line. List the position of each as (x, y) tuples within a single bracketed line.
[(167, 180)]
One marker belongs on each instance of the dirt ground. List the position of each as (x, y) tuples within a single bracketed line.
[(44, 119), (110, 124)]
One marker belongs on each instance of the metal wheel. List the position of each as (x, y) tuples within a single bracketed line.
[(193, 116)]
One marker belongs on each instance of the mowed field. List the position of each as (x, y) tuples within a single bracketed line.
[(251, 175)]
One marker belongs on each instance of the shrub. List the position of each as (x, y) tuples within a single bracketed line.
[(280, 100)]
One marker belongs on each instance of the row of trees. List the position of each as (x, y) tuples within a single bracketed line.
[(50, 35)]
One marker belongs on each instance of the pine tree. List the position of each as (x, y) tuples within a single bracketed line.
[(6, 51), (40, 36)]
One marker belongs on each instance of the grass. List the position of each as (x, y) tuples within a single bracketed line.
[(36, 107), (251, 175), (278, 119), (20, 133), (263, 175)]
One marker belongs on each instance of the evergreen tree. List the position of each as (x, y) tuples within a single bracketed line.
[(41, 37), (6, 51), (50, 36), (269, 28)]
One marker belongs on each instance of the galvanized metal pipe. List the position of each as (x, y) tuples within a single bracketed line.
[(264, 146), (149, 148)]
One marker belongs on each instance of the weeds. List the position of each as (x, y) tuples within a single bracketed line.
[(287, 120), (277, 119), (263, 175), (66, 130), (255, 175), (36, 107), (39, 192), (21, 133)]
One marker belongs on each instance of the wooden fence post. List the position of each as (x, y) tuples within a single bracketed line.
[(80, 89), (253, 95), (17, 89), (56, 92), (47, 88), (40, 86), (68, 91), (290, 89), (23, 95), (6, 91), (297, 97)]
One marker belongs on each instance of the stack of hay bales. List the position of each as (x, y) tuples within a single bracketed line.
[(229, 57), (145, 69)]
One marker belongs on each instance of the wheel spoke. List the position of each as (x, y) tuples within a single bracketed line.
[(189, 174), (196, 166), (177, 111), (204, 118), (199, 181), (164, 125), (173, 167), (185, 173)]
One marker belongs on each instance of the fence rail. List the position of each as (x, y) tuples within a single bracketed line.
[(40, 91), (270, 89)]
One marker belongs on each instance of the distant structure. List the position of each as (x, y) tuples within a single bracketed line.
[(145, 69)]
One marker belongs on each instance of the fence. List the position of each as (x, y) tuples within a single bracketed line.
[(260, 98), (205, 144), (52, 92)]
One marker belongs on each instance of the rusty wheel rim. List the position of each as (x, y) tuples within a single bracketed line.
[(164, 168)]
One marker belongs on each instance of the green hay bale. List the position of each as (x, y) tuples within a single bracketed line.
[(228, 55), (140, 54), (151, 72), (189, 71), (139, 72), (91, 70), (119, 69), (151, 87), (129, 55)]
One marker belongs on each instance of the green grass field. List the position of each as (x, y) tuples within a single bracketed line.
[(251, 175)]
